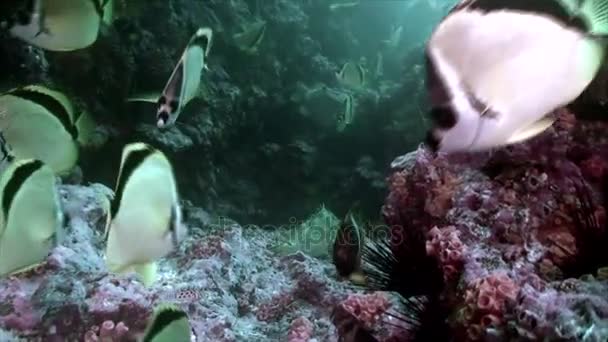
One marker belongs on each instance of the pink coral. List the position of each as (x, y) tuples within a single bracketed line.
[(301, 330), (21, 314), (366, 308), (203, 249), (486, 302), (107, 332), (594, 167), (276, 307), (445, 245), (428, 187)]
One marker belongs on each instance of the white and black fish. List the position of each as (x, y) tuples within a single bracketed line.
[(395, 37), (60, 25), (251, 37), (346, 117), (352, 75), (342, 5), (39, 123), (497, 69), (30, 215), (168, 324), (379, 64), (184, 82), (146, 220)]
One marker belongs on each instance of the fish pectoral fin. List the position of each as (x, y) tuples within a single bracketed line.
[(146, 272), (532, 130), (595, 13)]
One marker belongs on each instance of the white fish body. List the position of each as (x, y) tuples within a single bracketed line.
[(146, 218), (61, 25), (516, 85), (32, 220), (184, 82)]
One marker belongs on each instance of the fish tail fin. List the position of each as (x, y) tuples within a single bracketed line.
[(595, 13), (147, 272), (86, 128)]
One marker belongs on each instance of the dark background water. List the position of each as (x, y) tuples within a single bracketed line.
[(246, 149)]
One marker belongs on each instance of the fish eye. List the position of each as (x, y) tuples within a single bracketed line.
[(443, 117), (162, 100), (173, 105)]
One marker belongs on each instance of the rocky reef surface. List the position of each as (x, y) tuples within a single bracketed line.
[(518, 236), (225, 276)]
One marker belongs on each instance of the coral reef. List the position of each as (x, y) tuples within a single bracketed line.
[(513, 231), (226, 277)]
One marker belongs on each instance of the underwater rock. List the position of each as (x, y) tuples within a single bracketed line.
[(507, 226), (225, 276)]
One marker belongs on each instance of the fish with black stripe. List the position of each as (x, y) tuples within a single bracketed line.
[(41, 123), (31, 216), (345, 117), (498, 69), (352, 75), (184, 82), (145, 217), (168, 324), (59, 25)]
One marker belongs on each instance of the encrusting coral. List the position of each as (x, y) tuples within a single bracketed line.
[(520, 236)]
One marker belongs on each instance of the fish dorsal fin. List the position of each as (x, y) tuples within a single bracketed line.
[(164, 316), (203, 38), (54, 102), (595, 14), (531, 130), (133, 156)]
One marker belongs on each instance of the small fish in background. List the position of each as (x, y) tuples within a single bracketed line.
[(88, 135), (184, 82), (38, 122), (343, 5), (251, 36), (494, 81), (395, 37), (168, 324), (352, 75), (302, 92), (347, 249), (346, 117), (31, 216), (60, 25), (145, 217), (379, 65)]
